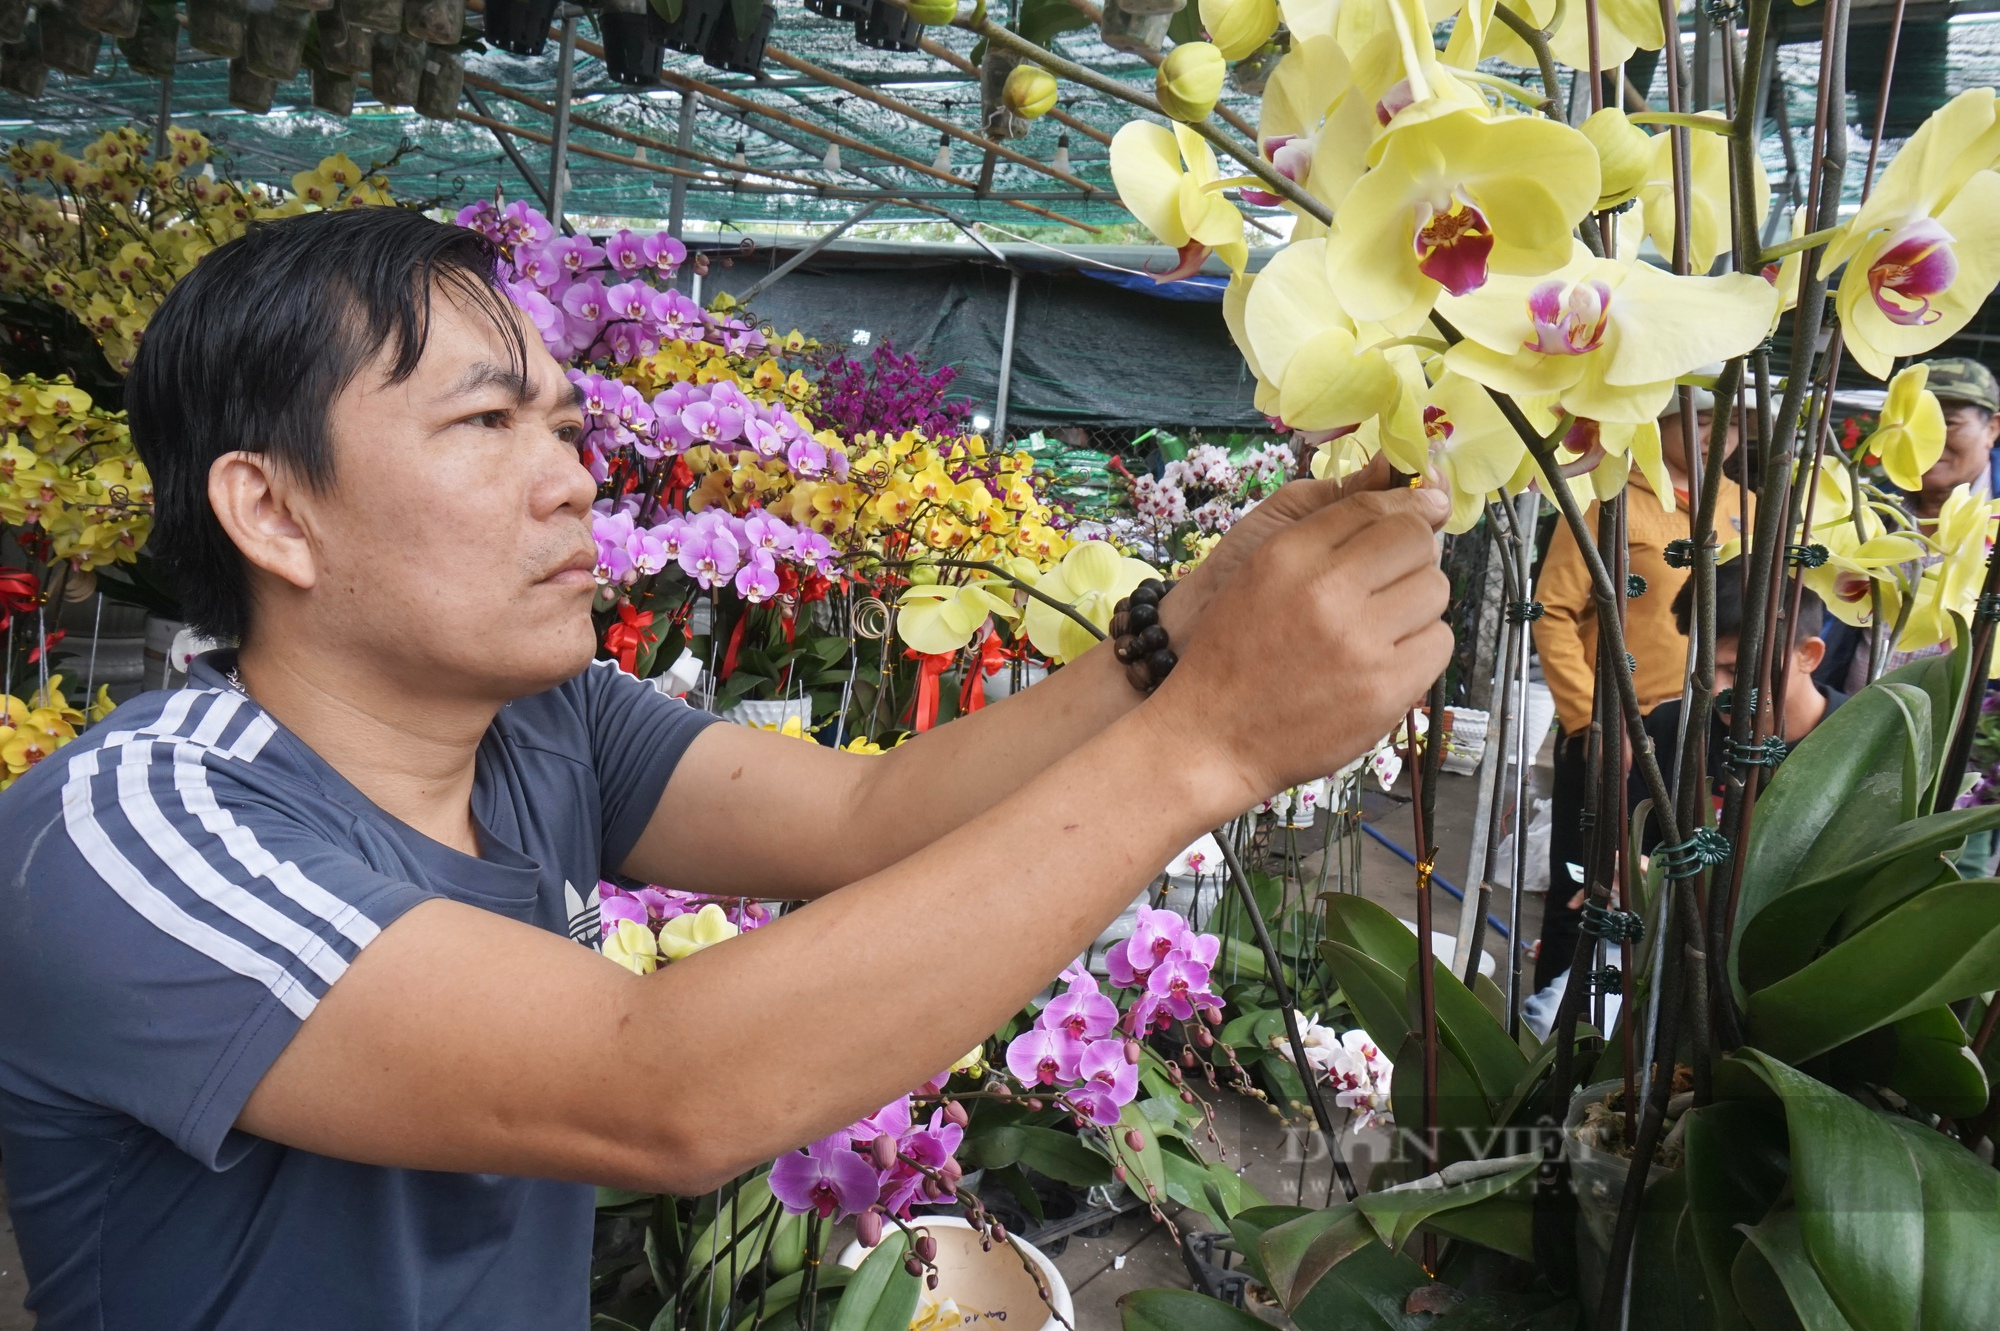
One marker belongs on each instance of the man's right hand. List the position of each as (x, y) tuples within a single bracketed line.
[(1319, 645)]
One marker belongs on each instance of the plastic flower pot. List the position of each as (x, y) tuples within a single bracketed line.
[(988, 1287), (1142, 8), (697, 24), (840, 11), (398, 68), (1598, 1178), (887, 28), (772, 713), (634, 42), (332, 92), (273, 41), (374, 15), (216, 26), (343, 48), (997, 121), (444, 79), (439, 22), (740, 52), (13, 20), (1126, 31), (113, 18), (248, 90), (66, 44), (520, 26), (22, 70), (150, 50)]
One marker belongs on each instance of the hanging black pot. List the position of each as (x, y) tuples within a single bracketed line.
[(634, 45), (66, 44), (443, 82), (150, 50), (332, 92), (439, 22), (22, 70), (397, 69), (113, 18), (13, 20), (697, 24), (840, 11), (216, 26), (274, 40), (250, 92), (374, 15), (520, 26), (343, 48), (739, 52), (888, 28)]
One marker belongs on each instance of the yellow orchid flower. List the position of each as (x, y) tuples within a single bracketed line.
[(631, 945), (937, 619), (1909, 438), (1708, 195), (1924, 251), (1607, 338), (1861, 551), (1950, 586), (1239, 27), (974, 1060), (1453, 202), (685, 935), (101, 706), (1461, 436), (1624, 155), (1091, 579), (1313, 128), (1297, 340), (1161, 177)]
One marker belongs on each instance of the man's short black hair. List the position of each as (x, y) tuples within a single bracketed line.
[(248, 352), (1729, 606)]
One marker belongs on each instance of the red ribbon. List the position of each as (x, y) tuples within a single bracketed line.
[(930, 668), (20, 592), (625, 638), (735, 644), (47, 644), (991, 656)]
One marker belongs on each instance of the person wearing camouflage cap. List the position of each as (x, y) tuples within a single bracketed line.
[(1970, 397)]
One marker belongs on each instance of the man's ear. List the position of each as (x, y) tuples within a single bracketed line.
[(254, 499), (1810, 653)]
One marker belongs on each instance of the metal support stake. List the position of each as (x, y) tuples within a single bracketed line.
[(559, 148), (819, 243), (506, 142), (165, 116), (1006, 358), (677, 198)]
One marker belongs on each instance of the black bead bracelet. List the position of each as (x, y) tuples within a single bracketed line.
[(1140, 640)]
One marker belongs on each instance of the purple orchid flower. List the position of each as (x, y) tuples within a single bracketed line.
[(1043, 1057), (626, 253), (764, 437), (761, 531), (1181, 984), (1109, 1083), (1154, 935), (1082, 1013), (757, 581), (826, 1178), (664, 252), (811, 548), (710, 555), (807, 457)]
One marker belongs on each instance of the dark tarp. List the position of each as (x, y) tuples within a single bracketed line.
[(1086, 352)]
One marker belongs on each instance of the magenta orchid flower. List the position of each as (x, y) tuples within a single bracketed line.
[(757, 581), (825, 1178), (1109, 1083), (710, 555), (626, 253), (1043, 1057), (1082, 1013)]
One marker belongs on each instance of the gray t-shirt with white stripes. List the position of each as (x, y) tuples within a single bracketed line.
[(178, 889)]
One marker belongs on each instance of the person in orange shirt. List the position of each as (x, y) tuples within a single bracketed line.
[(1566, 640)]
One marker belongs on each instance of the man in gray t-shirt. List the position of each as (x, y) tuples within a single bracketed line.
[(294, 1025)]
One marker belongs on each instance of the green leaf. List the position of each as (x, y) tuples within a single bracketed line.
[(1375, 930), (1848, 772), (1145, 1164), (1736, 1169), (1923, 1057), (1191, 1182), (1247, 1230), (753, 1206), (1780, 1242), (1041, 20), (1961, 1227), (1509, 1312), (1062, 1157), (1365, 1293), (1465, 1124), (1396, 1212), (1936, 948), (782, 1294), (1182, 1310), (1942, 678), (1373, 991), (881, 1295), (1469, 1031), (1298, 1253), (1793, 927), (1669, 1292)]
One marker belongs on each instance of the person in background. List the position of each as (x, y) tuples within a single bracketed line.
[(1970, 396), (1807, 702), (1566, 639)]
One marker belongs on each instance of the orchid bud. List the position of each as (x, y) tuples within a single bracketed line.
[(1134, 1140), (1624, 155), (951, 1170), (912, 1265), (1239, 27), (999, 1231), (1202, 1037), (1132, 1051), (883, 1150), (930, 1281), (930, 1188), (868, 1228), (1118, 1172), (1190, 80), (1173, 1074), (926, 1247), (1003, 1092), (1187, 1058), (1030, 91), (954, 1112), (1213, 1016), (933, 13), (1187, 1097), (1034, 1102)]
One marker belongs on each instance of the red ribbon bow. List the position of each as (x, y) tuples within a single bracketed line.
[(988, 660), (20, 592), (930, 668), (629, 635)]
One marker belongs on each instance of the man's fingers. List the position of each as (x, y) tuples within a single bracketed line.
[(1414, 601), (1339, 524)]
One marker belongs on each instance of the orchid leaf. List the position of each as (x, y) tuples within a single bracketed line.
[(1668, 1291), (743, 1215), (1182, 1310), (1369, 928), (1059, 1155), (1247, 1230), (1373, 991), (1465, 1123), (1939, 947), (1922, 1057), (1469, 1031), (1366, 1292), (1192, 1182), (1736, 1170), (1942, 678), (1780, 1242), (1848, 771), (1961, 1227), (1509, 1312), (1298, 1253), (881, 1295), (1395, 1212), (1145, 1160), (782, 1294)]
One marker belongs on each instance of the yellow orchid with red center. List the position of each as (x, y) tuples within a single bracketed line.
[(1607, 339), (1923, 252), (1460, 436), (1163, 176), (1863, 554), (1949, 588), (1452, 203), (1909, 438)]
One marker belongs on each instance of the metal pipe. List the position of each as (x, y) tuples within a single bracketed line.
[(819, 243), (1006, 357), (683, 140), (559, 143), (506, 143), (165, 116)]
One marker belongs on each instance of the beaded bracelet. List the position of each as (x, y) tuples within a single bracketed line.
[(1140, 640)]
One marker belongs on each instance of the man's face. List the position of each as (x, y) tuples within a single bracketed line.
[(1725, 662), (455, 541), (1675, 452), (1969, 433)]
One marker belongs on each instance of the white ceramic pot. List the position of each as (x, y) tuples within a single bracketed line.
[(772, 713), (991, 1286)]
